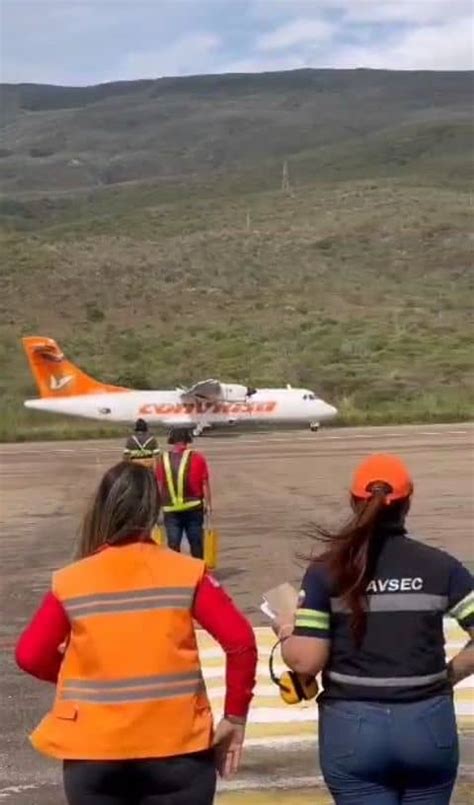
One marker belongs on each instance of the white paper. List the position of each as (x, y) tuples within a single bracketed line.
[(267, 610)]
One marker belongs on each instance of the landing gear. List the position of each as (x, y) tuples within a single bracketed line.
[(200, 429), (314, 427)]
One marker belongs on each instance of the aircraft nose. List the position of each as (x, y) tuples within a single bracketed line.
[(331, 411)]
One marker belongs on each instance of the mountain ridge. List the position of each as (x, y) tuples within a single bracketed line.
[(62, 138)]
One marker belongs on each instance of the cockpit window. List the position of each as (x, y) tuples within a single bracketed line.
[(309, 396)]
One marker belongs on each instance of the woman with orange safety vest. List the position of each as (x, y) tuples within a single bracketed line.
[(131, 719)]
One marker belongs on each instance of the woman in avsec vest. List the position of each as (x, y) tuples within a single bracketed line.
[(131, 720), (370, 617)]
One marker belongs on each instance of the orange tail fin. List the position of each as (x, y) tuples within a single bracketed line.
[(56, 376)]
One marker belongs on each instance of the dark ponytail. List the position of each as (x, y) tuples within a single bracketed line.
[(353, 550)]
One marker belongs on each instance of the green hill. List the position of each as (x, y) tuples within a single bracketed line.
[(190, 260), (63, 138)]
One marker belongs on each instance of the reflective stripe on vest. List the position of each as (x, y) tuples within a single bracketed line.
[(464, 608), (142, 450), (177, 493), (388, 682), (397, 602), (138, 689), (150, 599)]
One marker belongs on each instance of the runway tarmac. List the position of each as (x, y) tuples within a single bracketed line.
[(268, 488)]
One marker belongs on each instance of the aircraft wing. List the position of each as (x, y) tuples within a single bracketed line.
[(208, 390)]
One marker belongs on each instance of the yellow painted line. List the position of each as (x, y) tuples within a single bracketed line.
[(308, 797), (278, 730), (265, 635), (219, 660), (464, 695), (275, 703), (299, 796), (270, 719), (308, 729)]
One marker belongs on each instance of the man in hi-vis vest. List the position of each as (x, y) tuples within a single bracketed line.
[(183, 479)]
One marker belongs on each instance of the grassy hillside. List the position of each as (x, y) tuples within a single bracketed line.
[(360, 290), (355, 283), (60, 138)]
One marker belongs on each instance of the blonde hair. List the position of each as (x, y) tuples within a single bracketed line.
[(125, 507)]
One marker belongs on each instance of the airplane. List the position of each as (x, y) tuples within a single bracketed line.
[(66, 389)]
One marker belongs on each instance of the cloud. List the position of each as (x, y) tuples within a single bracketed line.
[(431, 47), (366, 11), (188, 55), (407, 11), (89, 41), (295, 33)]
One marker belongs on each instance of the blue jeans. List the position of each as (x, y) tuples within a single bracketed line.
[(389, 754), (191, 523)]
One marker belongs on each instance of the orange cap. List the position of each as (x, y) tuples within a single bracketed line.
[(387, 469)]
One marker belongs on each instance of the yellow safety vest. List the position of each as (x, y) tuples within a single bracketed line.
[(146, 449), (177, 502)]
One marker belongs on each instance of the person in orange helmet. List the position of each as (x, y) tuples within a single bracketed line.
[(370, 617), (131, 719)]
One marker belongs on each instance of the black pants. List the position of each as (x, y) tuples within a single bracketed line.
[(181, 780)]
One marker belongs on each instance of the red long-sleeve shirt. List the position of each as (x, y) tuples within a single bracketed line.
[(38, 648)]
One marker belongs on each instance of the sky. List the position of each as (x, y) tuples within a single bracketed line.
[(80, 42)]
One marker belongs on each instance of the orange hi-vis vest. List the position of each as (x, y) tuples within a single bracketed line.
[(130, 684)]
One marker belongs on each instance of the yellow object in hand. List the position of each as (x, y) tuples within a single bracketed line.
[(211, 547)]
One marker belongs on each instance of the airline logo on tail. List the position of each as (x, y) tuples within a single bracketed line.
[(55, 376), (58, 383)]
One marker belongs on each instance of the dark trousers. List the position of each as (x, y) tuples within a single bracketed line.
[(389, 754), (189, 522), (181, 780)]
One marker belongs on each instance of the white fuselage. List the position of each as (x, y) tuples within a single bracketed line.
[(166, 408)]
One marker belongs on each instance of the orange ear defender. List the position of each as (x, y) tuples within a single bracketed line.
[(293, 687)]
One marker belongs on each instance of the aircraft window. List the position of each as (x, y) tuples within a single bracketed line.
[(309, 396)]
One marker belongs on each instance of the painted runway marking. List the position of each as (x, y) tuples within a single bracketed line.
[(272, 723), (5, 793), (255, 785), (110, 448)]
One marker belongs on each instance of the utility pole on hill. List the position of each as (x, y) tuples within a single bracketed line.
[(285, 179)]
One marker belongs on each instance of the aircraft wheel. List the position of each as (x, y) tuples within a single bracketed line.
[(314, 427)]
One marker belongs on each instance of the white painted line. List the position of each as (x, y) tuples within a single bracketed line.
[(465, 684), (5, 793), (281, 715), (253, 784), (268, 691), (282, 740), (264, 651), (218, 672)]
